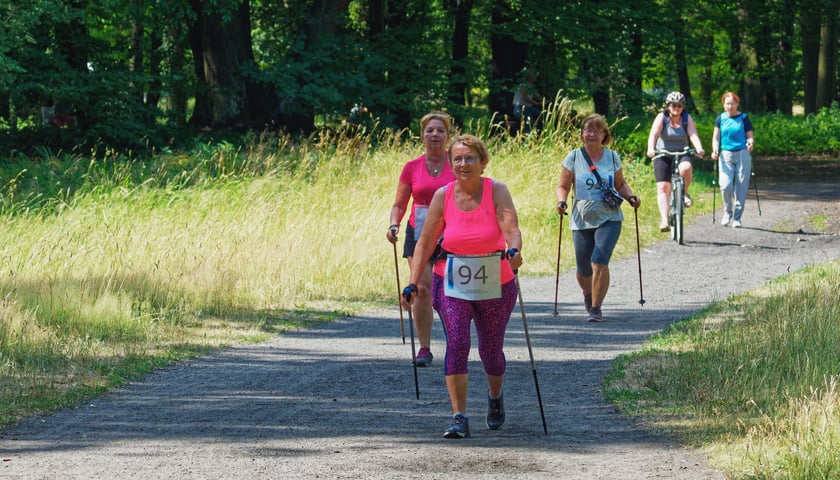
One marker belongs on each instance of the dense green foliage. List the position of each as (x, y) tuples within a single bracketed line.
[(131, 75)]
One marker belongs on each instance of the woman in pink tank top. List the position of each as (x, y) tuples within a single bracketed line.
[(475, 282), (419, 180)]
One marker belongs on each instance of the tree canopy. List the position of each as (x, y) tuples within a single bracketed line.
[(131, 73)]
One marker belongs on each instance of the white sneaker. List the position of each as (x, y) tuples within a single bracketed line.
[(736, 224), (725, 220)]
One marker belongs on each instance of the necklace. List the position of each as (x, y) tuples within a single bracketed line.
[(434, 169)]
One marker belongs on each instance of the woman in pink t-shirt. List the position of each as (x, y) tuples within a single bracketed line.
[(419, 180), (475, 282)]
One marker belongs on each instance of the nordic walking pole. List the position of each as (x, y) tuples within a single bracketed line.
[(715, 190), (407, 293), (397, 269), (557, 275), (755, 183), (530, 352), (639, 258)]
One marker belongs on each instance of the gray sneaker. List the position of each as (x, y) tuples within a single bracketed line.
[(495, 412), (595, 315), (459, 427)]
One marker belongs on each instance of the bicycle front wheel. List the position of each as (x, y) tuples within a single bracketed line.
[(672, 210), (679, 211)]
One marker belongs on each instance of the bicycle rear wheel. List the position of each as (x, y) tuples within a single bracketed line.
[(679, 211)]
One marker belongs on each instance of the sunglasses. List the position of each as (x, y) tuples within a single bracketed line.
[(677, 105)]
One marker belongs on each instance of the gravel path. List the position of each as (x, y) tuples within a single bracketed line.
[(338, 401)]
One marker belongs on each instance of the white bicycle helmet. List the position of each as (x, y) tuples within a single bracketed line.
[(675, 97)]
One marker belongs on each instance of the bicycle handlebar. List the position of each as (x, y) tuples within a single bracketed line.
[(666, 153)]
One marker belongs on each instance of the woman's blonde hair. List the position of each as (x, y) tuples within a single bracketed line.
[(443, 117), (473, 143), (596, 121)]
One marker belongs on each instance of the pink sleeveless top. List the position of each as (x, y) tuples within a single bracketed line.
[(476, 232), (423, 186)]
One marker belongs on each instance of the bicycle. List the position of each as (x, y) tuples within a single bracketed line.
[(677, 203)]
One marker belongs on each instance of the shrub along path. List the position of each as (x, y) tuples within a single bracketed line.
[(338, 401)]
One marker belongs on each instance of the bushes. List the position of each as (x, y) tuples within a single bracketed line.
[(818, 133)]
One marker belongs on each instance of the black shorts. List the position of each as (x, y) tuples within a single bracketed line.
[(410, 242), (662, 167)]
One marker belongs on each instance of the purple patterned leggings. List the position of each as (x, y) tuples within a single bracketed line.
[(491, 319)]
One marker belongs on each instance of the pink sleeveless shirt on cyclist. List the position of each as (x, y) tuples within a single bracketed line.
[(476, 232)]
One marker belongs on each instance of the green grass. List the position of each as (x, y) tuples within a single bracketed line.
[(752, 379), (820, 222)]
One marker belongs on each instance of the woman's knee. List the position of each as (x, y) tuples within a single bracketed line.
[(584, 267), (600, 268), (686, 172)]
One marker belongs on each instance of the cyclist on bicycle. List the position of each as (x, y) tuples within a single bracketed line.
[(672, 130)]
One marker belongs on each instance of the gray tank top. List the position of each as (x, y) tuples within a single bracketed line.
[(672, 138)]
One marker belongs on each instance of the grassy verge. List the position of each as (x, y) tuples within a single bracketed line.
[(753, 379)]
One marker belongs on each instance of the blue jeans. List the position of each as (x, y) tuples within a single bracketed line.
[(735, 171)]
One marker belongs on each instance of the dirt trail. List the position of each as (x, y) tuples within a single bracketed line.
[(338, 401)]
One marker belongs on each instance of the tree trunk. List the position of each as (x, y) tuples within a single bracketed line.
[(634, 74), (155, 60), (752, 95), (682, 69), (784, 67), (298, 114), (827, 65), (136, 46), (508, 57), (226, 49), (810, 37), (376, 17), (201, 113), (73, 38), (176, 102), (706, 80), (601, 101), (221, 43), (458, 79), (5, 106)]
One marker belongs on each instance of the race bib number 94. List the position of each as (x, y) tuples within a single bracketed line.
[(473, 277)]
